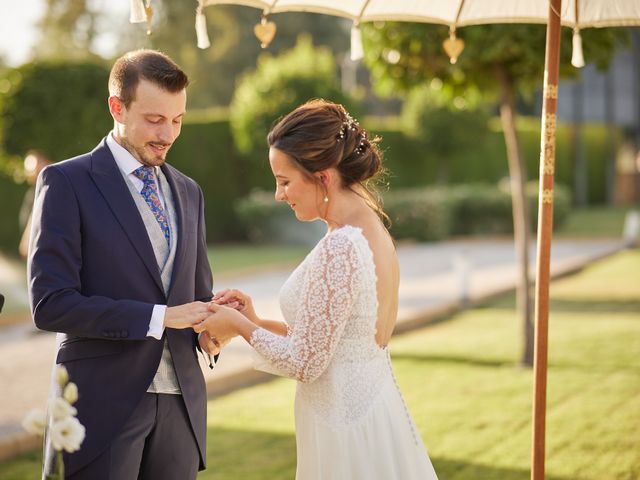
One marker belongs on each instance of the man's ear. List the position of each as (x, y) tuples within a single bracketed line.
[(116, 107)]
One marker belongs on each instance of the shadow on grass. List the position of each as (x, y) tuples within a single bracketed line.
[(461, 470), (261, 455), (466, 360), (575, 305), (271, 456)]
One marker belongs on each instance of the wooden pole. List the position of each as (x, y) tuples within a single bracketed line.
[(545, 231)]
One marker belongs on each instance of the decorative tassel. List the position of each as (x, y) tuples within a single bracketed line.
[(577, 58), (201, 30), (149, 13), (357, 52), (137, 13)]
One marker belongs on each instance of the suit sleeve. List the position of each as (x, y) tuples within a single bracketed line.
[(54, 266)]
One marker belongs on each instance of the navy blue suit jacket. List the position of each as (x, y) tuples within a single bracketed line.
[(93, 277)]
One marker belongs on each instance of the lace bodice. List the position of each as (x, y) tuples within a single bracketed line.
[(330, 303)]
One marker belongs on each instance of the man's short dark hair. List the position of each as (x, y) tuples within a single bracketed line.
[(151, 65)]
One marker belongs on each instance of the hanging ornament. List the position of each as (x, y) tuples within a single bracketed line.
[(577, 58), (136, 12), (201, 30), (149, 14), (453, 46), (357, 52), (265, 31)]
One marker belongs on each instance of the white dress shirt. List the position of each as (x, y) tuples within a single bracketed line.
[(127, 165)]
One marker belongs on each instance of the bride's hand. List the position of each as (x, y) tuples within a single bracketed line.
[(238, 300), (221, 325), (210, 344)]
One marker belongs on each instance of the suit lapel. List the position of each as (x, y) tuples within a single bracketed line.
[(181, 205), (108, 179)]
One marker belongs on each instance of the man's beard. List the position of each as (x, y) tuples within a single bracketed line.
[(142, 156)]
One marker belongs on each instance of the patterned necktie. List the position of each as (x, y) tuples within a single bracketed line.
[(150, 193)]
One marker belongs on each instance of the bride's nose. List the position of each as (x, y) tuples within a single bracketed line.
[(280, 194)]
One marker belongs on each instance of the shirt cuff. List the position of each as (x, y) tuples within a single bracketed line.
[(156, 325)]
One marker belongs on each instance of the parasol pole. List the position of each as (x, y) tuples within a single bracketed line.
[(545, 227)]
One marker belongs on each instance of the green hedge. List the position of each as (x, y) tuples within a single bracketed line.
[(12, 195), (206, 152), (423, 214), (57, 107)]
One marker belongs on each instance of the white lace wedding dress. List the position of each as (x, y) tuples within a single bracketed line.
[(351, 421)]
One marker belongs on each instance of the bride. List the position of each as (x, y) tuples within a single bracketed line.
[(340, 307)]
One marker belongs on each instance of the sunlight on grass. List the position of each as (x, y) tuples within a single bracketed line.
[(242, 259), (471, 403), (594, 222)]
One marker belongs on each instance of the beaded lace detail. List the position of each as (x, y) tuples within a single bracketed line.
[(330, 303)]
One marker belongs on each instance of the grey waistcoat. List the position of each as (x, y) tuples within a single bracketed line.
[(165, 380)]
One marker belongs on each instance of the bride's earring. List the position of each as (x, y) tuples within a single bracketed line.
[(326, 199)]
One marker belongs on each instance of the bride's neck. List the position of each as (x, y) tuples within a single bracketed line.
[(346, 207)]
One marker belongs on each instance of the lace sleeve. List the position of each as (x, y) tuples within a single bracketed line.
[(328, 288)]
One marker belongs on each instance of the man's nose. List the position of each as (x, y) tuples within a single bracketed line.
[(166, 134)]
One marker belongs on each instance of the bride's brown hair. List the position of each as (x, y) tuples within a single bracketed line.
[(319, 135)]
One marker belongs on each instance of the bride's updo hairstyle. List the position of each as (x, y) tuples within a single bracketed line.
[(319, 135)]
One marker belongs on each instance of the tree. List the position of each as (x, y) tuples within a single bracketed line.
[(499, 61), (441, 126), (67, 30), (278, 85), (234, 48)]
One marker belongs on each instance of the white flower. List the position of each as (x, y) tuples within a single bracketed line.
[(59, 409), (34, 422), (67, 434), (62, 376), (71, 393)]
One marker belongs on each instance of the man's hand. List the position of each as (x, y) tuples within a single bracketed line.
[(186, 316)]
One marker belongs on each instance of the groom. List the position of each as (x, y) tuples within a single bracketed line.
[(118, 266)]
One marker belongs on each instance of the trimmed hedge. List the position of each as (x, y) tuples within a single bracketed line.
[(57, 107), (422, 214), (206, 152)]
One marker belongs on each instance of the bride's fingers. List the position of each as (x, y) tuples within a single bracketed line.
[(231, 295), (211, 346), (219, 294)]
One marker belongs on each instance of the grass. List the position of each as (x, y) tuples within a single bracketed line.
[(471, 403), (247, 258), (594, 222)]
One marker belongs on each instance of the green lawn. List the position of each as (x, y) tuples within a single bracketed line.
[(594, 222), (471, 404), (248, 258)]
